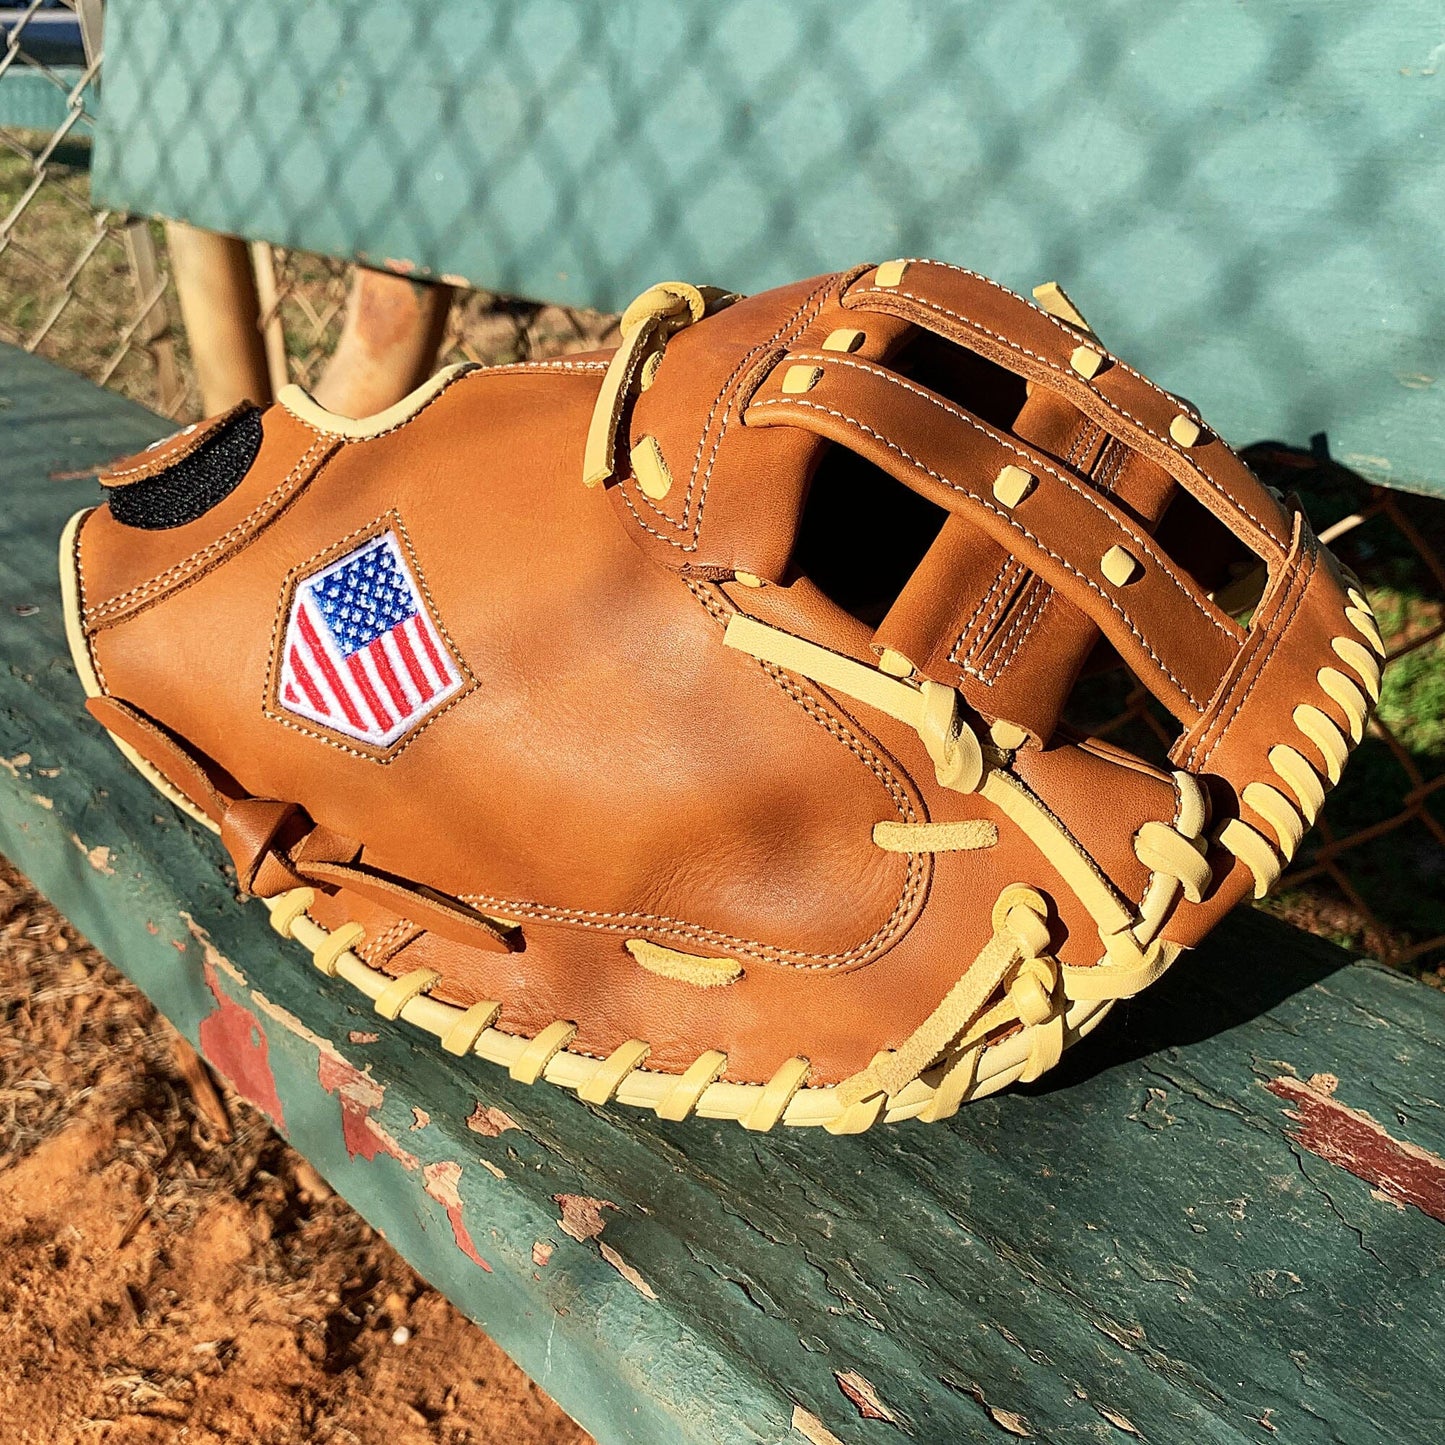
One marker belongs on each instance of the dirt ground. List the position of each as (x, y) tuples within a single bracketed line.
[(170, 1270)]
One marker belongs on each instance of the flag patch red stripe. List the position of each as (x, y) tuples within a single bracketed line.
[(441, 669), (328, 672), (303, 680), (388, 677), (363, 683), (418, 676)]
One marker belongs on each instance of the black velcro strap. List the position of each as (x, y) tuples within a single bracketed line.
[(194, 485)]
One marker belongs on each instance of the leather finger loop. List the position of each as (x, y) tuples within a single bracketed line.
[(447, 917), (249, 830), (276, 847)]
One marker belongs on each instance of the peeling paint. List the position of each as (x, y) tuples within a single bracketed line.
[(582, 1220), (582, 1215), (234, 1042), (293, 1024), (1009, 1420), (626, 1271), (541, 1252), (1350, 1138), (98, 857), (419, 1118), (490, 1121), (360, 1095), (443, 1182), (1124, 1423), (213, 956), (492, 1169), (864, 1397), (812, 1429)]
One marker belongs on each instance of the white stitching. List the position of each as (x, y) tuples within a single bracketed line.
[(86, 632), (618, 921), (555, 363), (378, 950), (796, 324), (265, 511), (1008, 575), (798, 321), (289, 584), (177, 572), (1035, 461), (1018, 632), (1258, 664), (1113, 406), (471, 370), (1037, 592), (158, 460), (1011, 521), (1038, 595), (1041, 594)]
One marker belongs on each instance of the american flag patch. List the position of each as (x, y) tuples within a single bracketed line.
[(361, 654)]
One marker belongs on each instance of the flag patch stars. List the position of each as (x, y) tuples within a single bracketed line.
[(361, 654)]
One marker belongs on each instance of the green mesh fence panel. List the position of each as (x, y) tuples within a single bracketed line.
[(1246, 199)]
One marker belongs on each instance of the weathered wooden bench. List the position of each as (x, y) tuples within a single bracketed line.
[(1222, 1219)]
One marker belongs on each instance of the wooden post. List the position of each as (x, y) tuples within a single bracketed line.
[(389, 342), (155, 329), (273, 333), (219, 305)]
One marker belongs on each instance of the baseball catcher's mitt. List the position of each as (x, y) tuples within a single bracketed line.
[(685, 725)]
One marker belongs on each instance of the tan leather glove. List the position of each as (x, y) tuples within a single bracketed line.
[(687, 724)]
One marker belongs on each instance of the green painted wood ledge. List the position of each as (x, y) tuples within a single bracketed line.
[(1222, 1220)]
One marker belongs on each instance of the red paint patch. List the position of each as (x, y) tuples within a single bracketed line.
[(235, 1044), (441, 1183), (1350, 1138), (360, 1094)]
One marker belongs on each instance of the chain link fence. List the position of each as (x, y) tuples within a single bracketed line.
[(91, 290), (85, 287)]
